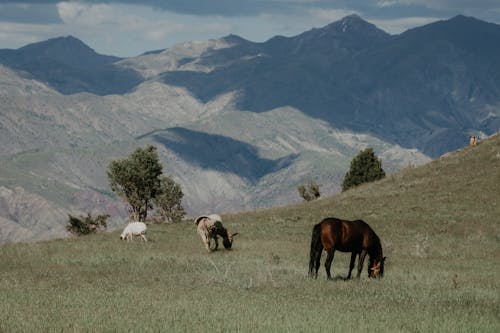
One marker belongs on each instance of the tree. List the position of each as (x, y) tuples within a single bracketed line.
[(310, 191), (86, 224), (169, 201), (136, 179), (365, 167)]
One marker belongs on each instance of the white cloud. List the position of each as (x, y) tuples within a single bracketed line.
[(387, 3), (90, 15), (69, 11), (105, 17)]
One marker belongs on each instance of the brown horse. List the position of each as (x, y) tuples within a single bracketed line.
[(346, 236)]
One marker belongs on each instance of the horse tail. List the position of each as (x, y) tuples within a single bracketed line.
[(316, 248)]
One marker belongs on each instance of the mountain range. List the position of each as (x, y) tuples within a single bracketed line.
[(238, 124)]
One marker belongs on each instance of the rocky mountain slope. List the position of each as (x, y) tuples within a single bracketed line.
[(426, 88), (238, 124)]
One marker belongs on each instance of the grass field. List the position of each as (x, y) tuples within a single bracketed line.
[(439, 225)]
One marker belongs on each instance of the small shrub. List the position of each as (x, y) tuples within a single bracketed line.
[(85, 225), (365, 167), (309, 191)]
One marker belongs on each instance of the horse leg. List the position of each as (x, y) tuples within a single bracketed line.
[(361, 260), (317, 262), (328, 263), (351, 265)]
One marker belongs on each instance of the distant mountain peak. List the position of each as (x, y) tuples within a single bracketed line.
[(67, 50), (352, 18), (350, 32), (70, 66), (68, 38), (66, 41), (234, 39), (352, 24), (461, 17), (471, 21)]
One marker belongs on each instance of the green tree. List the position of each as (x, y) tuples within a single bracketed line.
[(136, 179), (309, 191), (85, 225), (365, 167), (169, 201)]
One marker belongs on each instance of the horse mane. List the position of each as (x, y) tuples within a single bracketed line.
[(375, 251)]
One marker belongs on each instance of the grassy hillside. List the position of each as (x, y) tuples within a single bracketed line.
[(439, 225)]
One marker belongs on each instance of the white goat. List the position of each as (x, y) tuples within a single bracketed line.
[(134, 229)]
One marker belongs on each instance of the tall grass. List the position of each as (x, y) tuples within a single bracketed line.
[(439, 225)]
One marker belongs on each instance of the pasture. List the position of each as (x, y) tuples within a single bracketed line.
[(440, 230)]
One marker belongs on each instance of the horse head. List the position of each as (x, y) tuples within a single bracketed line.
[(376, 270)]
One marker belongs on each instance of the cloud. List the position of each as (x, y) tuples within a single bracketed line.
[(28, 13), (447, 8), (78, 13), (20, 34), (443, 4), (196, 7), (250, 8), (224, 8), (105, 18)]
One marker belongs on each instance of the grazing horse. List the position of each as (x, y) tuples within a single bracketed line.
[(346, 236)]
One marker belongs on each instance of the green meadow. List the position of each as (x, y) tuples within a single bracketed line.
[(440, 230)]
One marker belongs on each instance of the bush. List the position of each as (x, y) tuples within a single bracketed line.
[(310, 191), (365, 167), (86, 224)]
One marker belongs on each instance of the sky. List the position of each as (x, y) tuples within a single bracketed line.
[(127, 28)]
